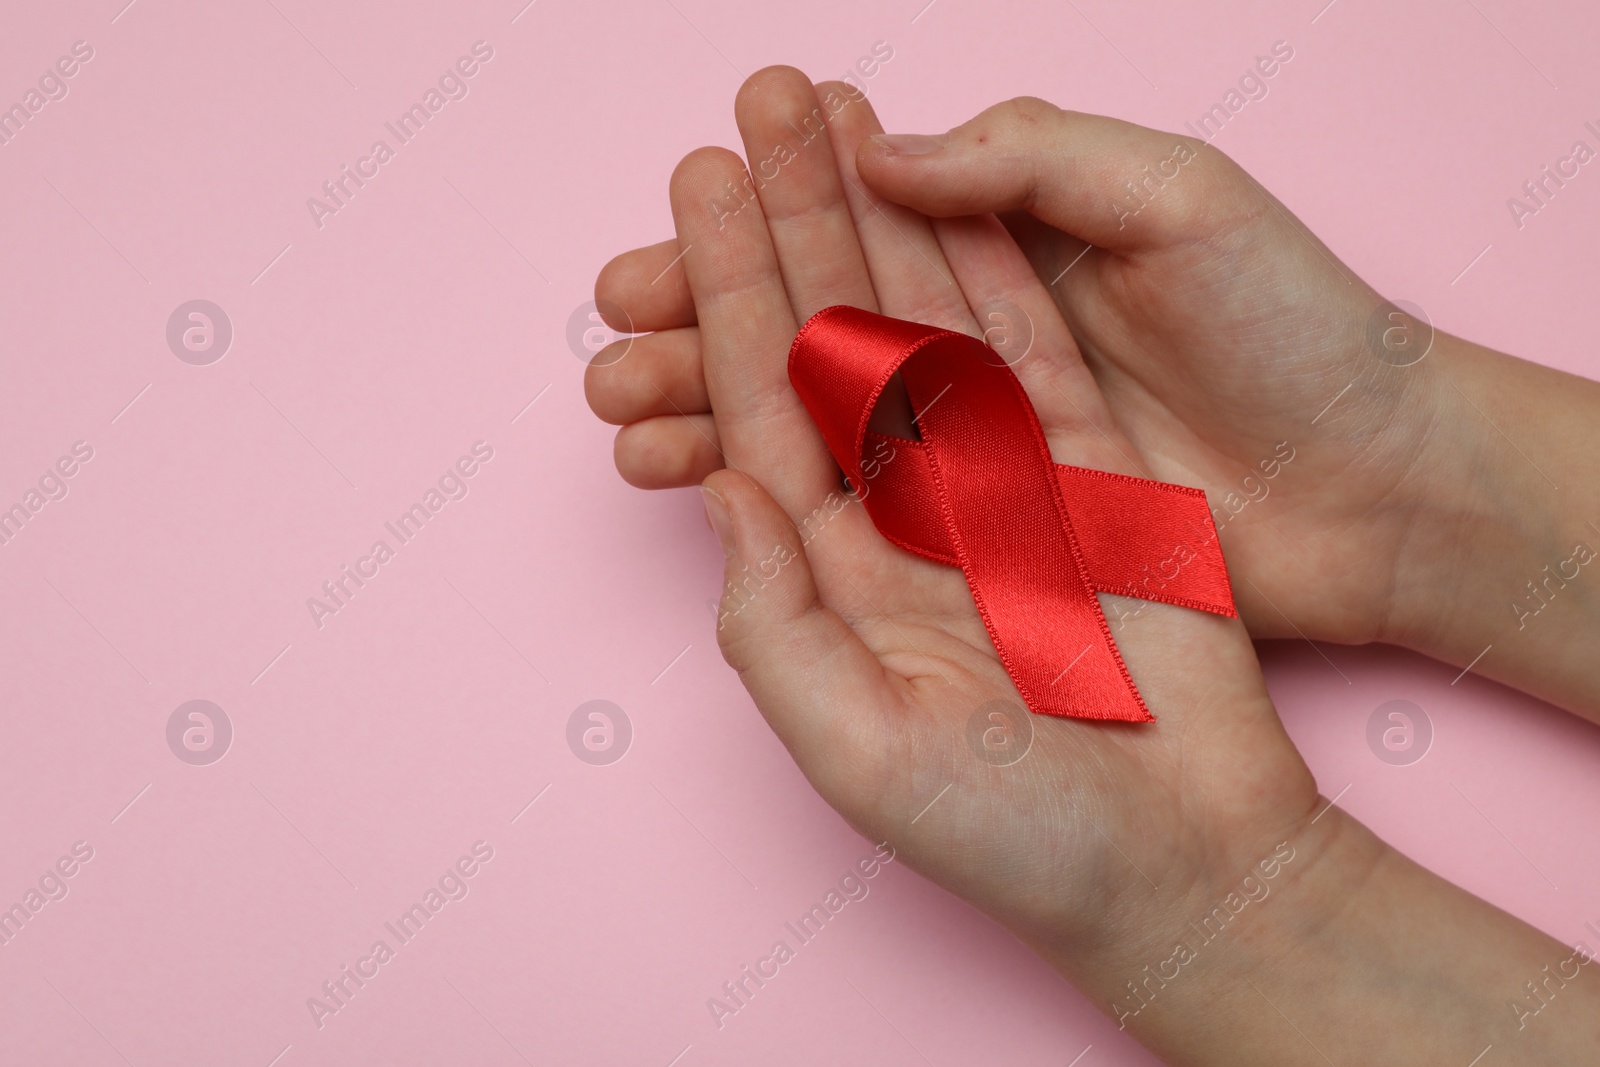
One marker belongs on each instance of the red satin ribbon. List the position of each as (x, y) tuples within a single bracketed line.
[(1036, 539)]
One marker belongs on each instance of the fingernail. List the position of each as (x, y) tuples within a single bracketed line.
[(912, 144), (719, 519)]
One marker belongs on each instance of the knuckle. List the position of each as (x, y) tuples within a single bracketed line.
[(1030, 110)]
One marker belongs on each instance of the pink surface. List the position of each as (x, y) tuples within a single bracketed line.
[(369, 754)]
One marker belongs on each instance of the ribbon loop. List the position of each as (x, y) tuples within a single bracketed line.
[(1036, 539)]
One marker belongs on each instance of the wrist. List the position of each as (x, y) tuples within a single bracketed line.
[(1179, 979), (1345, 930), (1494, 511)]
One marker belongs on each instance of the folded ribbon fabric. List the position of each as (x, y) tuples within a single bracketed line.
[(1036, 539)]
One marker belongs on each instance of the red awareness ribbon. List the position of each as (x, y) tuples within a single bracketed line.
[(1036, 539)]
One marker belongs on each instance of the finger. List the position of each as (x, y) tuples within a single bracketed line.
[(785, 130), (908, 268), (904, 260), (648, 286), (1023, 325), (667, 452), (746, 328), (818, 685), (659, 375), (1114, 184)]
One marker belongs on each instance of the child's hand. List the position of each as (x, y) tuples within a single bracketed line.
[(1214, 330), (870, 662), (1206, 324)]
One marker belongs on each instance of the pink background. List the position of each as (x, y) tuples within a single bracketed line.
[(370, 353)]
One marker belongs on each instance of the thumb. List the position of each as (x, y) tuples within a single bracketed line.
[(817, 684), (1114, 184)]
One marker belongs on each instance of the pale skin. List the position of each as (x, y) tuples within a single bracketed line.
[(1196, 335)]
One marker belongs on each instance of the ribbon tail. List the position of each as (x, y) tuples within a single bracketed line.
[(1013, 539)]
